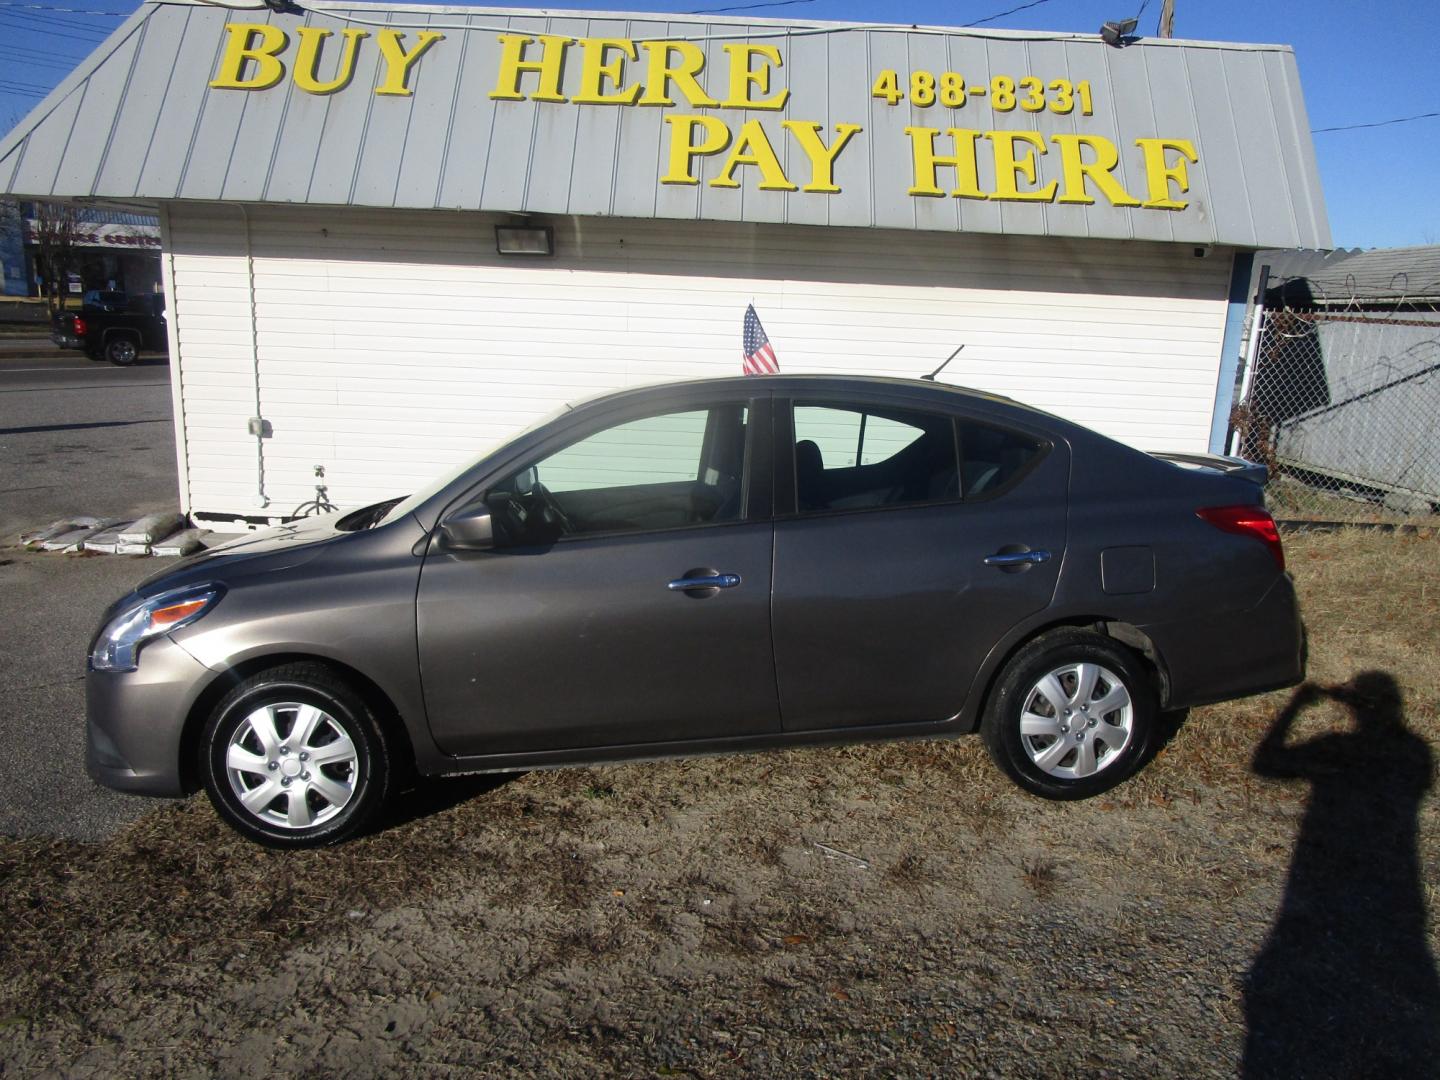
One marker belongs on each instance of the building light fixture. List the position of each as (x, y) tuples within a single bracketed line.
[(1119, 34), (525, 239)]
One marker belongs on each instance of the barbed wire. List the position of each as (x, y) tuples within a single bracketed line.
[(1391, 302)]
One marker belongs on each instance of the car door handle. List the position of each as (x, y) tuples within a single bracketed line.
[(1017, 558), (707, 581)]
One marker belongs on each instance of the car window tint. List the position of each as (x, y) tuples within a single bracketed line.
[(658, 472), (654, 450), (849, 458), (991, 457)]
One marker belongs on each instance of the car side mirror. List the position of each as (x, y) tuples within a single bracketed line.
[(472, 529)]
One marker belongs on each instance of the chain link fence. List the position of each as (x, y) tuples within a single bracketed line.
[(1344, 409)]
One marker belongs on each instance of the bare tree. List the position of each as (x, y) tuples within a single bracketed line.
[(54, 230)]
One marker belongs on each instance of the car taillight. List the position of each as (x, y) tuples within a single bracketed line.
[(1247, 521), (80, 327)]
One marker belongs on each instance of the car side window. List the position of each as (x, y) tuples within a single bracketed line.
[(851, 457), (991, 457), (657, 472)]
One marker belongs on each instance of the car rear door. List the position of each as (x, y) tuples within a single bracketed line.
[(884, 602)]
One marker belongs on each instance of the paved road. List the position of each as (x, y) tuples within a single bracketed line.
[(75, 437)]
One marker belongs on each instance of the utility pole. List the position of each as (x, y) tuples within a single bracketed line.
[(1167, 18)]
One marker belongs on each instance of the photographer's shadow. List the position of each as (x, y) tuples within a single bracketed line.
[(1346, 985)]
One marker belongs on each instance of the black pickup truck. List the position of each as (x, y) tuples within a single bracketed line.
[(115, 330)]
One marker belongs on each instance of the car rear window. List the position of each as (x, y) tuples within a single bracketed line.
[(853, 458), (992, 458)]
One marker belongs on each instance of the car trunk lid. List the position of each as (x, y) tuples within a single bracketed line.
[(1220, 463)]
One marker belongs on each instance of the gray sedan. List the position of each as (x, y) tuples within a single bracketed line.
[(728, 565)]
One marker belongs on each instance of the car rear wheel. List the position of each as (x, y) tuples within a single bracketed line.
[(121, 351), (1072, 714), (294, 758)]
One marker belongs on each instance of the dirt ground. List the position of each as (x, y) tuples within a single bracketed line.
[(1262, 900)]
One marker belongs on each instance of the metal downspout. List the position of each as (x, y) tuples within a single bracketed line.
[(258, 425)]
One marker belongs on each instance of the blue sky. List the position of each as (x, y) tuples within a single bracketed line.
[(1359, 63)]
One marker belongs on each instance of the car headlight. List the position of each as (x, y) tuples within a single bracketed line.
[(117, 647)]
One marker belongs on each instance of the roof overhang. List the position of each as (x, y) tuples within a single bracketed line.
[(682, 117)]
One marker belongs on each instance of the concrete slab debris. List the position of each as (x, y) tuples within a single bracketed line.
[(106, 541), (36, 537), (74, 539), (186, 542), (150, 528)]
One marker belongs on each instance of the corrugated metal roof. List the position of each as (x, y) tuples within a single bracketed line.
[(138, 120), (1396, 275)]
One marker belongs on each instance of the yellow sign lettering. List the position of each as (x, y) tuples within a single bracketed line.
[(398, 62), (743, 76), (251, 43), (596, 71), (752, 147), (1159, 175), (927, 161), (684, 149), (660, 73), (822, 160), (307, 59), (1008, 166), (513, 65), (1076, 170), (623, 71)]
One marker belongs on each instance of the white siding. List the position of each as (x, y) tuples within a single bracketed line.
[(392, 344)]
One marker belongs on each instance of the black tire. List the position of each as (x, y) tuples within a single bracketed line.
[(122, 351), (281, 693), (1019, 680)]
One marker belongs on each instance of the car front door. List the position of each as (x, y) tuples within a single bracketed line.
[(627, 600), (885, 604)]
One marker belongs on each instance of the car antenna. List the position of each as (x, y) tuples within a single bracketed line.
[(942, 367)]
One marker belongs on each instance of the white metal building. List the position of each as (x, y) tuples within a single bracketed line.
[(1079, 216)]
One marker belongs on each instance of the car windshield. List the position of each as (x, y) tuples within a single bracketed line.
[(439, 484)]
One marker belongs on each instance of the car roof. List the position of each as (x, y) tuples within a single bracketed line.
[(806, 383)]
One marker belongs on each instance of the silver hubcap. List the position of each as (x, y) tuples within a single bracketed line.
[(1076, 721), (124, 351), (292, 765)]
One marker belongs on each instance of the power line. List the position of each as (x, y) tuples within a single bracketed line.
[(67, 10), (21, 91), (35, 61), (748, 7), (1377, 123), (28, 17), (69, 35), (1002, 14), (47, 52)]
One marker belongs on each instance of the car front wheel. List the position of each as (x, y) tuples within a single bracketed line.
[(294, 758), (1072, 714)]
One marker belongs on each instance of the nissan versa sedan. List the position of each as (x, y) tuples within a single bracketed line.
[(727, 565)]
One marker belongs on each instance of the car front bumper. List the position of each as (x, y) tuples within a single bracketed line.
[(135, 720), (1233, 655)]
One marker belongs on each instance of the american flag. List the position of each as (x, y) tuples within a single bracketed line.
[(758, 355)]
